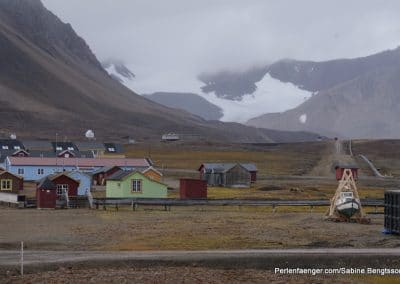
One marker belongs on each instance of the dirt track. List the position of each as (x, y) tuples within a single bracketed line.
[(255, 266)]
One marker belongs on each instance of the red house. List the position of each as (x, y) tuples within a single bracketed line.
[(193, 189), (46, 194), (339, 170), (64, 184), (99, 176)]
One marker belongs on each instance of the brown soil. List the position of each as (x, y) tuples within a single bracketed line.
[(188, 228), (177, 275)]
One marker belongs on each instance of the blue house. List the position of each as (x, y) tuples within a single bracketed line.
[(84, 181), (35, 168)]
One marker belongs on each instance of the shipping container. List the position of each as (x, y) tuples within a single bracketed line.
[(392, 211)]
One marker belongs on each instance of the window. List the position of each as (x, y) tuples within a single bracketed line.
[(21, 171), (66, 155), (17, 148), (137, 185), (71, 148), (6, 184), (111, 149), (62, 189), (59, 148), (4, 147), (40, 171)]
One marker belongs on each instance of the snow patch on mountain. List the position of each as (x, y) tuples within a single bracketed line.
[(271, 96), (303, 118), (119, 72)]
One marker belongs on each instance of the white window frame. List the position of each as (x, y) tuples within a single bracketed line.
[(135, 183), (111, 149), (21, 171), (17, 147), (61, 189), (4, 147), (71, 149), (7, 183), (59, 148)]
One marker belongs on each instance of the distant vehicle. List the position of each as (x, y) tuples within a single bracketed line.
[(170, 137)]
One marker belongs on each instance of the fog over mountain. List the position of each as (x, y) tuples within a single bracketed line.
[(253, 60), (167, 44)]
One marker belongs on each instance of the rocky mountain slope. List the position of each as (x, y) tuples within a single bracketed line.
[(354, 97), (189, 102), (50, 81)]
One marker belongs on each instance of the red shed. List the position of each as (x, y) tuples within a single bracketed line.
[(65, 183), (193, 189), (99, 176), (339, 170), (46, 194)]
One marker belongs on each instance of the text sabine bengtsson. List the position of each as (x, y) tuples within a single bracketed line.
[(343, 270)]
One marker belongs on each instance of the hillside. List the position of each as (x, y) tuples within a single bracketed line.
[(189, 102), (51, 82)]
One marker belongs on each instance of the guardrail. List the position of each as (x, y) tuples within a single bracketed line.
[(168, 202)]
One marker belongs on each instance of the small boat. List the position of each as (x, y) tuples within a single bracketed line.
[(347, 205)]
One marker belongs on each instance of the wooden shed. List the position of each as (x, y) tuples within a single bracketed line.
[(11, 183), (193, 189), (252, 168), (340, 167), (46, 194), (226, 175)]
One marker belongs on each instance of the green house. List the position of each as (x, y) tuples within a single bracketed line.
[(131, 184)]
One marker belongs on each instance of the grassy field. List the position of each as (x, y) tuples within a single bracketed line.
[(283, 159)]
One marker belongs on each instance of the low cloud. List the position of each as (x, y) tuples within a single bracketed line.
[(182, 38)]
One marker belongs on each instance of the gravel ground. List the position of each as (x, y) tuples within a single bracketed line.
[(172, 275), (188, 228)]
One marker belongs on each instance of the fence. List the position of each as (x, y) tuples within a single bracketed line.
[(168, 202)]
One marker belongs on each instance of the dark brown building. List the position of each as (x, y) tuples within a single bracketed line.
[(99, 176), (11, 183)]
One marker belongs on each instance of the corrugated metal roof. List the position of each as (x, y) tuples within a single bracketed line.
[(46, 183), (114, 148), (223, 167), (80, 162), (89, 145), (64, 146), (249, 166), (11, 144), (120, 175), (104, 169), (37, 145)]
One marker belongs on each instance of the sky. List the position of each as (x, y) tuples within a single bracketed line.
[(168, 43)]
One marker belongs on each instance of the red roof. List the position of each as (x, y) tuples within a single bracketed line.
[(80, 162)]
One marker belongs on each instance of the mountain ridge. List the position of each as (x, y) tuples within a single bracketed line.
[(52, 82)]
